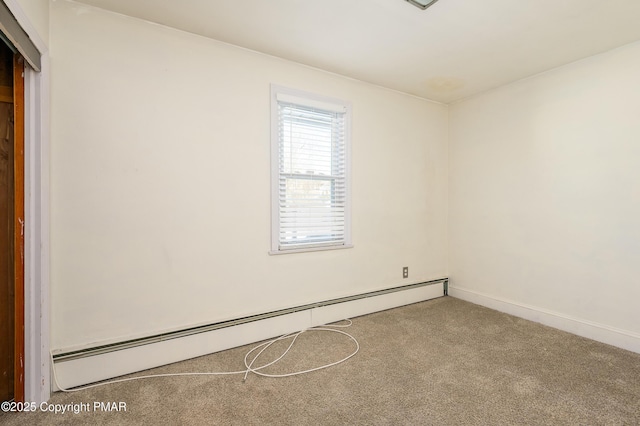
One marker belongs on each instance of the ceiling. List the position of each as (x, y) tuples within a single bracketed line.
[(452, 50)]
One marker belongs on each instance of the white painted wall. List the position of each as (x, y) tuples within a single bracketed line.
[(544, 197), (38, 13), (160, 214)]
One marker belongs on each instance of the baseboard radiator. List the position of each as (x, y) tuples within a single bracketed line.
[(79, 367)]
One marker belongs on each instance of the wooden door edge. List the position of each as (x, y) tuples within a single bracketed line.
[(18, 162)]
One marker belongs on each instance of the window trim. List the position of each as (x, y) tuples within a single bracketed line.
[(323, 102)]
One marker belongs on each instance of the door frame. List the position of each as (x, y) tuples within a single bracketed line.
[(35, 307)]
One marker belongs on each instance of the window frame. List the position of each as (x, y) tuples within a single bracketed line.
[(307, 99)]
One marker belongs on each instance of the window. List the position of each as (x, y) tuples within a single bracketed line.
[(310, 172)]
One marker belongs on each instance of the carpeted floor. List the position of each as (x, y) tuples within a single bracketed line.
[(441, 362)]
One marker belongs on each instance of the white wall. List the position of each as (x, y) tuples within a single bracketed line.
[(544, 197), (160, 214), (38, 13)]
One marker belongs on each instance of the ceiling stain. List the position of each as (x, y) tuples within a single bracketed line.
[(444, 84)]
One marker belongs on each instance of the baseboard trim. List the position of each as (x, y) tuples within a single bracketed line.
[(103, 365), (602, 333)]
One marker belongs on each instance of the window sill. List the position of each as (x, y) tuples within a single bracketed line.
[(305, 250)]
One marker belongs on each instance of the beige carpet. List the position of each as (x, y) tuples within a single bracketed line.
[(441, 362)]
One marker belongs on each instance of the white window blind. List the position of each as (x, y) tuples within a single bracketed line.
[(311, 181)]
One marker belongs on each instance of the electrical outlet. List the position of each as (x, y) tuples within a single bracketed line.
[(405, 272)]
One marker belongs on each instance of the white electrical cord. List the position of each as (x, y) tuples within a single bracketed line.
[(248, 365)]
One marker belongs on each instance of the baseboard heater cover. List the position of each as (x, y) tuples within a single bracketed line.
[(90, 365), (97, 350)]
